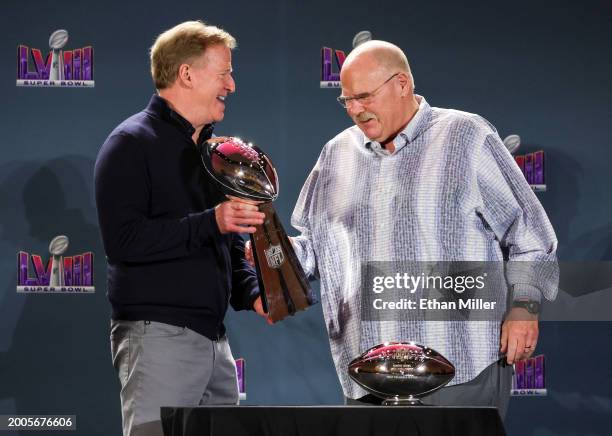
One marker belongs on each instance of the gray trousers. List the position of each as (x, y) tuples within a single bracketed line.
[(164, 365), (490, 388)]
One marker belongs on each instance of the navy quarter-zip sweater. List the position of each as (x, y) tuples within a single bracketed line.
[(167, 260)]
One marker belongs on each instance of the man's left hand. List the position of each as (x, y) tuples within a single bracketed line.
[(258, 307), (519, 335)]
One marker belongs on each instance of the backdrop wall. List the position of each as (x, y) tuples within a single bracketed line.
[(537, 68)]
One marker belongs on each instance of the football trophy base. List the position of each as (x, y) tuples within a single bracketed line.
[(281, 277), (410, 401)]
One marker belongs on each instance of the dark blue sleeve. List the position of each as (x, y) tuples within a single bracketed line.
[(122, 192)]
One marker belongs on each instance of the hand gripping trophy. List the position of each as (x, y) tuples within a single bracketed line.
[(244, 171)]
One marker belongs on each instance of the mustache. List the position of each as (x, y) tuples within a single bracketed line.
[(365, 116)]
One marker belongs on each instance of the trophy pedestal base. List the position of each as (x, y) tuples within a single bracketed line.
[(410, 401), (282, 282)]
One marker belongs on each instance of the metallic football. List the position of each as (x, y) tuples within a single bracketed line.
[(58, 245), (58, 39), (401, 372), (241, 168)]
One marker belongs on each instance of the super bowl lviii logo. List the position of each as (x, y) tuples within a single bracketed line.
[(62, 274), (61, 68), (529, 377), (330, 75), (329, 78)]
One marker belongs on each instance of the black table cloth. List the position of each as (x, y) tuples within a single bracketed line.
[(330, 420)]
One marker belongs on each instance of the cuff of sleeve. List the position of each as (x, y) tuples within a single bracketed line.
[(204, 228), (245, 300), (252, 297), (526, 292)]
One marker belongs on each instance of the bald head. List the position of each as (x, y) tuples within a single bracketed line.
[(378, 90), (383, 56)]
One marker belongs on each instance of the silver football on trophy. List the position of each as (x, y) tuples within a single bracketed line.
[(512, 142), (59, 245), (361, 37), (58, 39), (401, 372), (240, 168)]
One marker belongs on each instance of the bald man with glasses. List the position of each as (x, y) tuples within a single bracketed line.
[(411, 182)]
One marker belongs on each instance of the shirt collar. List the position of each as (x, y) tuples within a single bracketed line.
[(412, 130), (159, 107)]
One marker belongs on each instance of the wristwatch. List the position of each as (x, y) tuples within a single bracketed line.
[(531, 306)]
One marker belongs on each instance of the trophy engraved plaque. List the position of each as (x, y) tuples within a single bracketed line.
[(244, 171), (401, 372)]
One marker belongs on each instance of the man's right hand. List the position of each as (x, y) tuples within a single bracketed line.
[(238, 216)]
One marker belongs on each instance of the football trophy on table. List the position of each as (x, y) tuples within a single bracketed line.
[(401, 372)]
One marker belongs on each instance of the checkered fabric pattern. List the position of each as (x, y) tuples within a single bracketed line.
[(450, 192)]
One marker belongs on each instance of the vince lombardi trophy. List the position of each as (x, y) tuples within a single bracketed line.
[(57, 247), (57, 41)]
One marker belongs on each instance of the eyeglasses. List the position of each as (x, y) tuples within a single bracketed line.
[(363, 98)]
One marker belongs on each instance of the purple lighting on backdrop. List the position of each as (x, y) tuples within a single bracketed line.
[(87, 268), (78, 64), (78, 270), (87, 63), (327, 74)]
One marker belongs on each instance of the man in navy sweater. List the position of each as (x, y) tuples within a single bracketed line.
[(175, 259)]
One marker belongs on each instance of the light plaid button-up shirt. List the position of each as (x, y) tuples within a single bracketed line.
[(450, 192)]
